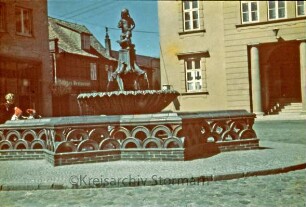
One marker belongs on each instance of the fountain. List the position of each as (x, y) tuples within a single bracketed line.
[(128, 124), (132, 96)]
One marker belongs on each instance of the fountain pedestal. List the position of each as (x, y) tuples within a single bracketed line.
[(128, 74)]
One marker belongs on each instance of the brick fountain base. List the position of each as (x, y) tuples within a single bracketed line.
[(158, 136)]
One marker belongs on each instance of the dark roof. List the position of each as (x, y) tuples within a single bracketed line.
[(72, 26), (142, 61), (69, 38)]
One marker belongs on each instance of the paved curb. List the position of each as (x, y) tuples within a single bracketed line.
[(281, 118), (169, 181)]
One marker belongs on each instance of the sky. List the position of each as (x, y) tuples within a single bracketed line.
[(98, 14)]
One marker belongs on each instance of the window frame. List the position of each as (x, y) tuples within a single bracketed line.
[(85, 41), (2, 17), (190, 11), (276, 10), (93, 71), (194, 72), (23, 31), (296, 7), (249, 11)]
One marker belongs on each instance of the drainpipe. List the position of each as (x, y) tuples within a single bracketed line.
[(54, 59)]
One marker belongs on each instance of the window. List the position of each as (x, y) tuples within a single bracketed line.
[(195, 71), (109, 70), (93, 71), (301, 8), (2, 17), (193, 75), (249, 11), (277, 10), (23, 21), (191, 15), (85, 38)]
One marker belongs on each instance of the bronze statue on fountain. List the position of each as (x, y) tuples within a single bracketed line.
[(133, 95), (128, 74)]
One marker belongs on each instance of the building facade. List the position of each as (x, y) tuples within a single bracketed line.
[(24, 54), (80, 64), (234, 54)]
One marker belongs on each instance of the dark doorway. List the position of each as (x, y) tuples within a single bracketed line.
[(280, 74), (20, 77)]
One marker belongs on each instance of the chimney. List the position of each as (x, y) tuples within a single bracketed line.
[(108, 43)]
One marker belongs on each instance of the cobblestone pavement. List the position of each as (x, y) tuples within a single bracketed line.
[(273, 190), (283, 131), (285, 142)]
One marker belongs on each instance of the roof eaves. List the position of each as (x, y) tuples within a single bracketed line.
[(78, 53)]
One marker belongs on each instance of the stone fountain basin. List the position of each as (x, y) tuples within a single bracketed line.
[(125, 102)]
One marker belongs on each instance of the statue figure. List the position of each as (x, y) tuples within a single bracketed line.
[(126, 24), (128, 74)]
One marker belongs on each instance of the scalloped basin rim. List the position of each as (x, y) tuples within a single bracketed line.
[(118, 93), (125, 102)]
